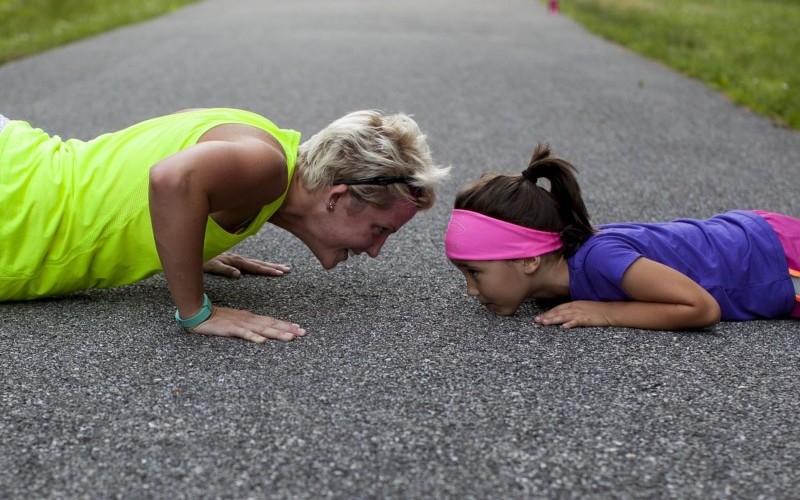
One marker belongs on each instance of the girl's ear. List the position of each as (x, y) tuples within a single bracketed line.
[(531, 264)]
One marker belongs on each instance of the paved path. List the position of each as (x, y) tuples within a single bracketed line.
[(405, 388)]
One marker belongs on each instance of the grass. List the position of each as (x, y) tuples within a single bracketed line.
[(747, 49), (30, 26)]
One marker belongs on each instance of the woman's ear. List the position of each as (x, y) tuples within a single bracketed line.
[(334, 195), (531, 264)]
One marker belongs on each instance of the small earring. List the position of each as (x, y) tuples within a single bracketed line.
[(330, 206)]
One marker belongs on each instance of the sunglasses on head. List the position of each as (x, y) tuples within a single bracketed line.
[(415, 191)]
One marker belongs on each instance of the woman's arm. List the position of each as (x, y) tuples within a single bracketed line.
[(662, 299), (212, 176)]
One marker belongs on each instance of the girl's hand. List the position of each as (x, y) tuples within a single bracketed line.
[(226, 322), (233, 265), (577, 313)]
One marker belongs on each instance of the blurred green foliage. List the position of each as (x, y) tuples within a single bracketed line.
[(30, 26)]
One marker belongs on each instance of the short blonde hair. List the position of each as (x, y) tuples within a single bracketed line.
[(367, 144)]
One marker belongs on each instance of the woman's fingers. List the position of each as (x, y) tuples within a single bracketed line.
[(216, 266), (233, 265), (266, 268)]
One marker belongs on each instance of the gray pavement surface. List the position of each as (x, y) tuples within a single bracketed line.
[(405, 388)]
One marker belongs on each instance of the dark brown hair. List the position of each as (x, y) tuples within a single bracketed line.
[(520, 200)]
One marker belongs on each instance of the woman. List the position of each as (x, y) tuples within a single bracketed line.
[(173, 193)]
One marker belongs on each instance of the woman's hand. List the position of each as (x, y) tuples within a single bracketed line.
[(227, 322), (232, 266)]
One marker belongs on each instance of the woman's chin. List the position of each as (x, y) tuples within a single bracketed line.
[(328, 265), (331, 261)]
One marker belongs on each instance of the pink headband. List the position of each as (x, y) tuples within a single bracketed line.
[(474, 236)]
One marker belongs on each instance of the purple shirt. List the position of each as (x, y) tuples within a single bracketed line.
[(735, 256)]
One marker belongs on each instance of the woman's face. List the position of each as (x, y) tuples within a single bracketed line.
[(354, 227)]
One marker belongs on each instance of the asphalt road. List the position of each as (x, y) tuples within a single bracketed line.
[(405, 388)]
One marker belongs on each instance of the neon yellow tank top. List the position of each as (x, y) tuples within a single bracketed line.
[(75, 214)]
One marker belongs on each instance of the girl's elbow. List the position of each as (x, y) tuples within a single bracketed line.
[(709, 313)]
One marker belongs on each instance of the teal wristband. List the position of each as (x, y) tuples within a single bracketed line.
[(204, 314)]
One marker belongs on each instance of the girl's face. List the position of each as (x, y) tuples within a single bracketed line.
[(500, 285)]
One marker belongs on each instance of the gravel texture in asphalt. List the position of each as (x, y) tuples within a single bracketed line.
[(405, 387)]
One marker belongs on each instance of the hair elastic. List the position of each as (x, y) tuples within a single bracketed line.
[(474, 236), (530, 176)]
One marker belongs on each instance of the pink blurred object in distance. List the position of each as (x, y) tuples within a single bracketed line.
[(554, 6)]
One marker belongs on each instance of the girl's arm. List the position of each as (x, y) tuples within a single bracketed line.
[(212, 176), (661, 299)]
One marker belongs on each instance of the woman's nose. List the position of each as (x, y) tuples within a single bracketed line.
[(375, 249)]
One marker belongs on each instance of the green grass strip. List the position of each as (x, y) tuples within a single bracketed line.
[(30, 26), (747, 49)]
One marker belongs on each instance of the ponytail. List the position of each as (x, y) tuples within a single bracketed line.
[(565, 192), (520, 200)]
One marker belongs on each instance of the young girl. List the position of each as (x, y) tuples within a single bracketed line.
[(174, 192), (513, 239)]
